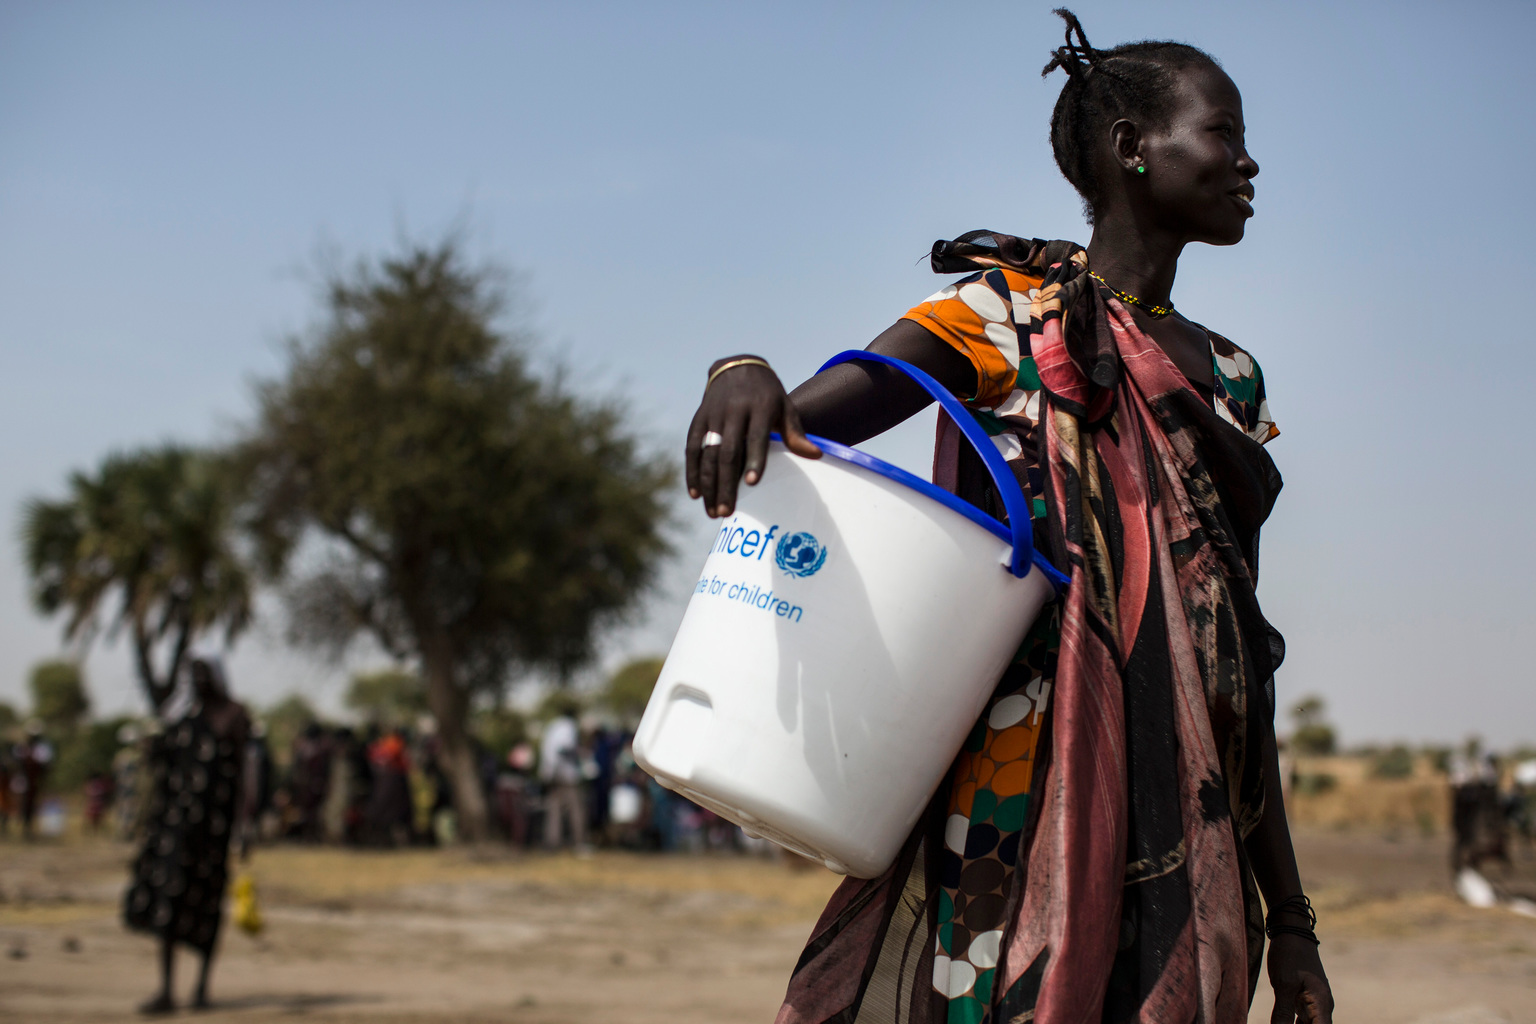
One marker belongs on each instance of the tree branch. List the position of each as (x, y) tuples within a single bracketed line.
[(143, 648), (361, 543)]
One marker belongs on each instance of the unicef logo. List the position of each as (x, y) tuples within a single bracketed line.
[(800, 554)]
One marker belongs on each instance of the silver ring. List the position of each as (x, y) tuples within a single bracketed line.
[(712, 440)]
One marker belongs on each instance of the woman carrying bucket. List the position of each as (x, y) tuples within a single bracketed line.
[(1102, 842)]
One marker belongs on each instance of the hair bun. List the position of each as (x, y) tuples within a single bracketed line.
[(1076, 58)]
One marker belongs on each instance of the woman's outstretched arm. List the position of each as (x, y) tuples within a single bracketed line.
[(849, 403), (1295, 970)]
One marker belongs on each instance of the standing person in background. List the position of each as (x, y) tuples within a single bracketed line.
[(605, 744), (424, 779), (177, 891), (389, 809), (98, 796), (1477, 818), (256, 796), (360, 788), (560, 771), (332, 812), (6, 797), (1521, 805), (310, 779), (514, 785), (34, 756)]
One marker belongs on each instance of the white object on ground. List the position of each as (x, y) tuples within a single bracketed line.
[(1475, 889), (1525, 773), (624, 804), (50, 819), (1523, 906)]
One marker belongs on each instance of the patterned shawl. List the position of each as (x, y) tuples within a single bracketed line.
[(1132, 898), (1138, 894)]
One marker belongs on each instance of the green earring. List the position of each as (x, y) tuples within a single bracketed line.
[(1141, 168)]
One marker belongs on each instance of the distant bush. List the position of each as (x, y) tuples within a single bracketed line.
[(1316, 784), (59, 696), (1312, 735), (1393, 763), (1318, 740), (629, 689), (88, 751)]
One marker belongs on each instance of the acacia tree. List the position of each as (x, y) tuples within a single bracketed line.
[(473, 519), (151, 532)]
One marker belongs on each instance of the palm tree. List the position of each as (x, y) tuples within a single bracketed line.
[(146, 545)]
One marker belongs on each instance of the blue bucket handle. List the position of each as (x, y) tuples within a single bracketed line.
[(1014, 501)]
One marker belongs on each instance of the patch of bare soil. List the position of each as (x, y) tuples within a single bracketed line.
[(479, 937)]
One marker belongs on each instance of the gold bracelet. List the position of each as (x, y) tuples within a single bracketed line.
[(746, 361)]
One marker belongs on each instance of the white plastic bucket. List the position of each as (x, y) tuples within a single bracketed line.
[(850, 622)]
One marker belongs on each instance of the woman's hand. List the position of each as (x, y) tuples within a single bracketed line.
[(1301, 988), (848, 403), (743, 406)]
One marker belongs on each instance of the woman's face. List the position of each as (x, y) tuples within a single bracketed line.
[(1198, 169)]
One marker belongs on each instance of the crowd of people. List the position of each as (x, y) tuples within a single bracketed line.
[(23, 772), (383, 786), (575, 784)]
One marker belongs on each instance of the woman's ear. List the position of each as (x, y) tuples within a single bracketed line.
[(1125, 140)]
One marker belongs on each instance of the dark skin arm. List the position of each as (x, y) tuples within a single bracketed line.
[(848, 403), (1295, 969)]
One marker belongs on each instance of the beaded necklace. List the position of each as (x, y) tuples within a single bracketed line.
[(1155, 312)]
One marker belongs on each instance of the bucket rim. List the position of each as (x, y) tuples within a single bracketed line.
[(927, 488)]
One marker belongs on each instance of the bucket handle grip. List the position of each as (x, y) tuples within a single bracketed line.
[(1006, 483)]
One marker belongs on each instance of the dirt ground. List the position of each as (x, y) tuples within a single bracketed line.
[(390, 938)]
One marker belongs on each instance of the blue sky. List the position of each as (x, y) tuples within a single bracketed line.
[(677, 182)]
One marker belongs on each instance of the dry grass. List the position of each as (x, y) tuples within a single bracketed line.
[(328, 875), (1419, 804)]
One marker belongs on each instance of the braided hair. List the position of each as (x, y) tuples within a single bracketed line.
[(1133, 80)]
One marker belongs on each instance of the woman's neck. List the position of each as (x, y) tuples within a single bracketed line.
[(1134, 260)]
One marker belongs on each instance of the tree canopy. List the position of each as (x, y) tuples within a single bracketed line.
[(389, 697), (149, 536), (59, 697), (474, 519), (1313, 734), (629, 689), (285, 720)]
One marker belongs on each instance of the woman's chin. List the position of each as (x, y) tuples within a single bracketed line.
[(1227, 235)]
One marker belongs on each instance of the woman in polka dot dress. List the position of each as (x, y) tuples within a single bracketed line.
[(177, 892), (1101, 845)]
